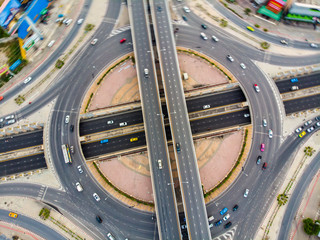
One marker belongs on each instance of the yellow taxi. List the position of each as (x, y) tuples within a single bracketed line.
[(250, 29), (133, 139), (302, 134), (13, 215)]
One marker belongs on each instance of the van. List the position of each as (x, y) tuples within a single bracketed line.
[(79, 187), (51, 43), (146, 72), (293, 88)]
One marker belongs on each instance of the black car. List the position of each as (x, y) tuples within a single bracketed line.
[(259, 160), (228, 225), (185, 18), (99, 219), (71, 128), (159, 8), (204, 26), (235, 207)]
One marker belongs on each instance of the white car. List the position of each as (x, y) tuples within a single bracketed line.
[(308, 123), (264, 122), (299, 129), (318, 124), (230, 58), (94, 41), (12, 121), (214, 38), (203, 36), (210, 225), (246, 193), (243, 66), (110, 122), (186, 9), (79, 187), (160, 164), (226, 217), (270, 133), (284, 42), (80, 169), (310, 129), (256, 87), (67, 119), (96, 197), (28, 79), (206, 106), (246, 115), (80, 21), (313, 45)]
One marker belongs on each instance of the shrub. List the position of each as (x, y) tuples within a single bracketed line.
[(89, 27), (266, 30), (59, 63), (247, 11), (310, 227), (224, 23), (257, 25), (265, 45)]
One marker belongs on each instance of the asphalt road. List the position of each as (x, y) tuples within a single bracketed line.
[(303, 82), (301, 104)]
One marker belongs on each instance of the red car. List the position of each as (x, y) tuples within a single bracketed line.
[(1, 97), (123, 40), (264, 166)]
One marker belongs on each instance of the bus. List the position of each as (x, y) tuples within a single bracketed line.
[(66, 153)]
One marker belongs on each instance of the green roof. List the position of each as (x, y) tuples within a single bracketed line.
[(263, 10)]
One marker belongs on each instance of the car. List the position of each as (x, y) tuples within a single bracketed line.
[(72, 149), (186, 9), (12, 121), (210, 225), (270, 133), (262, 147), (160, 164), (294, 88), (264, 122), (204, 26), (1, 120), (294, 80), (99, 219), (223, 211), (13, 215), (243, 66), (230, 58), (214, 38), (58, 20), (65, 20), (235, 207), (251, 29), (317, 118), (80, 169), (301, 135), (110, 122), (123, 124), (246, 115), (184, 226), (211, 218), (104, 141), (68, 22), (299, 129), (51, 43), (309, 130), (313, 45), (9, 117), (264, 166), (308, 123), (159, 8), (123, 40), (226, 217), (80, 21), (284, 42), (228, 225), (246, 192), (79, 187), (109, 235), (203, 36), (256, 87), (184, 18), (94, 41), (178, 147), (217, 223), (71, 128), (206, 106), (318, 124), (96, 197), (259, 160), (67, 119), (28, 79), (133, 139), (1, 97)]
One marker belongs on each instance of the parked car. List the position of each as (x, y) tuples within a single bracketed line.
[(301, 135), (227, 225), (223, 211), (226, 217), (217, 223), (299, 129), (308, 123), (309, 130)]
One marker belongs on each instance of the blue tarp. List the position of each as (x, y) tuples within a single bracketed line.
[(34, 14)]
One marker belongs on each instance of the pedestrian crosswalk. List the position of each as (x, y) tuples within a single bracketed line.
[(229, 235)]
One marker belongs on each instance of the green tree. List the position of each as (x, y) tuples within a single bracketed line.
[(310, 227), (247, 11), (308, 151)]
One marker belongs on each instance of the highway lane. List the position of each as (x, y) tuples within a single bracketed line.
[(161, 173), (24, 164), (303, 82), (31, 225), (23, 140), (53, 57), (296, 197), (301, 104), (188, 172)]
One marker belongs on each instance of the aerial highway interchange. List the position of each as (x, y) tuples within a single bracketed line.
[(164, 124)]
